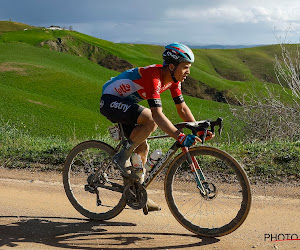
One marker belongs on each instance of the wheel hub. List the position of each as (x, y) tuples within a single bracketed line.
[(210, 189)]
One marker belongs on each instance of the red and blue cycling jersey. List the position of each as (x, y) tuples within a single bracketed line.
[(143, 83)]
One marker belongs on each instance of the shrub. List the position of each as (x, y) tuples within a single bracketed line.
[(269, 117)]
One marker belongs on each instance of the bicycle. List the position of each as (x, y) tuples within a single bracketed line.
[(206, 189)]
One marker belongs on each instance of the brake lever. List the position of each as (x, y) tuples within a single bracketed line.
[(204, 136), (202, 126), (218, 122)]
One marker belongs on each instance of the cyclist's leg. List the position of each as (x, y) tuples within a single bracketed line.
[(129, 113), (138, 124), (137, 138), (143, 150), (146, 126)]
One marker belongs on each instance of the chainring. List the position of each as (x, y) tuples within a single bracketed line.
[(135, 195)]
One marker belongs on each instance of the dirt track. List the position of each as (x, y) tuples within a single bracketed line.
[(36, 214)]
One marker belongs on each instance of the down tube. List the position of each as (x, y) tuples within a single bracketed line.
[(160, 165)]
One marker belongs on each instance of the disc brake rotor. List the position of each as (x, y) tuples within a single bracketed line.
[(211, 191)]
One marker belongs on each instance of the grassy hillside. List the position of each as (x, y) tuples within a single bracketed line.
[(50, 92), (13, 26), (53, 93)]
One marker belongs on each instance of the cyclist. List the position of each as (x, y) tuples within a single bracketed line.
[(122, 93)]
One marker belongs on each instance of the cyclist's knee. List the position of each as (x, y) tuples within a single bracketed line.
[(145, 118), (153, 125)]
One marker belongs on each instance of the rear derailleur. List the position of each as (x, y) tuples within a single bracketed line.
[(91, 187)]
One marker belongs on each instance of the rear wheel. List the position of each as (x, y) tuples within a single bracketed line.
[(92, 184), (227, 203)]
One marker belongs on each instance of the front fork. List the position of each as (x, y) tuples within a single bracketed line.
[(196, 170)]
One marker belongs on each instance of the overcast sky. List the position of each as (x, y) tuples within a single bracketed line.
[(195, 22)]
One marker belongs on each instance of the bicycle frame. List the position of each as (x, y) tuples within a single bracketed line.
[(157, 168), (160, 165)]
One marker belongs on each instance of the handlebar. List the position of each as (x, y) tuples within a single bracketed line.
[(201, 126), (196, 127)]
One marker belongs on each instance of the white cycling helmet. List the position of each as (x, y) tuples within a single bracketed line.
[(177, 53)]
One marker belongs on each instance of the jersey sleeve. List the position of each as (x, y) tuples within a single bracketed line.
[(176, 89), (176, 93), (153, 89), (153, 95)]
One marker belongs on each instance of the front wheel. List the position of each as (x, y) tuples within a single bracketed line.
[(92, 184), (229, 200)]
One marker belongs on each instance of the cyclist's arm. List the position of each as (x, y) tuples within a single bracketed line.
[(184, 112), (164, 123)]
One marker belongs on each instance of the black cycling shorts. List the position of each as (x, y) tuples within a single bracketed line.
[(119, 110)]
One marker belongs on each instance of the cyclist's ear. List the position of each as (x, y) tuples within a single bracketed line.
[(171, 66)]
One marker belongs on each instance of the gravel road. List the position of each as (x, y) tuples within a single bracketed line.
[(36, 214)]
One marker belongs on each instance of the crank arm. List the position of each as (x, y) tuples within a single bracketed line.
[(98, 201)]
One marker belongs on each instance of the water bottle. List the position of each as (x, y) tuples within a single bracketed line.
[(138, 166), (153, 159)]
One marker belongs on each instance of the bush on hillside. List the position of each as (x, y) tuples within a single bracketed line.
[(267, 117)]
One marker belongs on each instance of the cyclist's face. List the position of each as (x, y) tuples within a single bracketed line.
[(182, 71)]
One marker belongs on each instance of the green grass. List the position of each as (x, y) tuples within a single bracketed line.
[(13, 26), (51, 92), (271, 161), (264, 162), (32, 37)]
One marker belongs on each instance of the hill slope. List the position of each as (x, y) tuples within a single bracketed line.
[(53, 93), (13, 26)]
